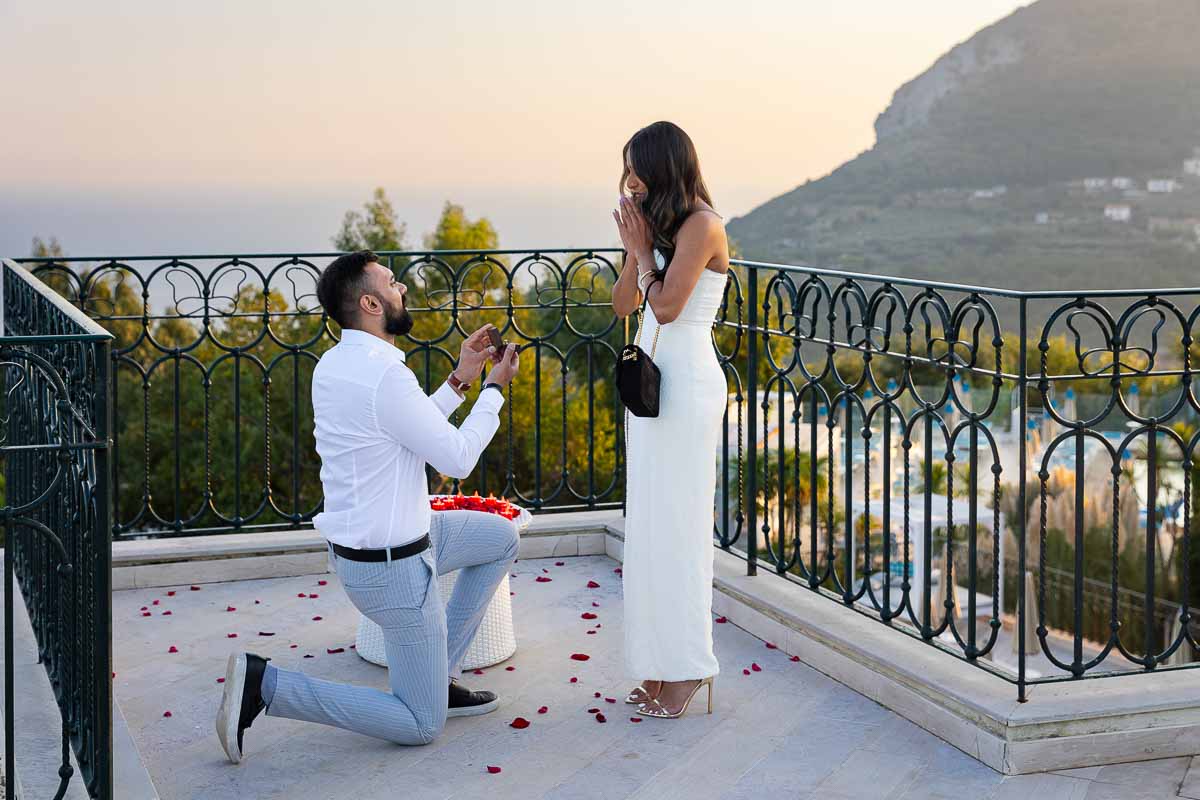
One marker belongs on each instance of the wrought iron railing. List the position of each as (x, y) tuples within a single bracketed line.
[(212, 364), (55, 516), (917, 451)]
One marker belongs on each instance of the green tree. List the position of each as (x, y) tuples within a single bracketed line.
[(374, 228), (49, 248)]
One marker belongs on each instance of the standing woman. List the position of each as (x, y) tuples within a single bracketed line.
[(677, 258)]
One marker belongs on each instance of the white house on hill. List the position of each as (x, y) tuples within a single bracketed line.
[(1191, 166), (1162, 185), (1118, 213)]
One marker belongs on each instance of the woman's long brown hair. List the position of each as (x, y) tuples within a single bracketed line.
[(665, 159)]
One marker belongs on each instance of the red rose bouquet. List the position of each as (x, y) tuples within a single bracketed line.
[(490, 504)]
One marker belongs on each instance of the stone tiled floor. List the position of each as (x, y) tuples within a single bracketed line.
[(785, 732)]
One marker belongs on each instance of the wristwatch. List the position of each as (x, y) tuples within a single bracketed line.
[(458, 385), (494, 385)]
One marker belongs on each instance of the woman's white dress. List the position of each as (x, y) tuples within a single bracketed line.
[(671, 478)]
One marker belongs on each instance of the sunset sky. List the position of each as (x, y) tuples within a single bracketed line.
[(152, 127)]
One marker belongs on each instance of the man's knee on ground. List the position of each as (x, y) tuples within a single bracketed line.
[(430, 726)]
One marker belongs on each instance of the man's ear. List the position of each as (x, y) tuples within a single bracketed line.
[(369, 304)]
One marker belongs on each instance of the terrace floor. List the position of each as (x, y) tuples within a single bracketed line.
[(786, 731)]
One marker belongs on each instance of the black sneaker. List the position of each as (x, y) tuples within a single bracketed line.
[(241, 702), (465, 703)]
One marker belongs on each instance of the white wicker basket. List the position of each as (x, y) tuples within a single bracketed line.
[(494, 642)]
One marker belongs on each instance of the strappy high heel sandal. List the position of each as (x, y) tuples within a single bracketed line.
[(638, 695), (656, 709)]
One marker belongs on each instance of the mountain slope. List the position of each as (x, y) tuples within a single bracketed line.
[(1057, 92)]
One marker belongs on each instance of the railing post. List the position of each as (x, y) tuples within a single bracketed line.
[(101, 573), (752, 428), (1022, 382)]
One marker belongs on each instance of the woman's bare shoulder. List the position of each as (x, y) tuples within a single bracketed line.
[(703, 223)]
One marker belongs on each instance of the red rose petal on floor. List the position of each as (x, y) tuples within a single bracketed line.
[(317, 619), (596, 695), (770, 646), (509, 669), (574, 680), (545, 570), (172, 649), (302, 594), (601, 718), (512, 574), (610, 699), (595, 604), (230, 608), (478, 672), (154, 603), (579, 657), (165, 614), (587, 615), (618, 571), (309, 655), (231, 636), (145, 608), (756, 667), (597, 624), (220, 680), (114, 674), (520, 723), (353, 646), (721, 620), (543, 710), (591, 633), (593, 585), (510, 594), (147, 614), (560, 563), (294, 646), (171, 593), (745, 672), (593, 711), (266, 633), (256, 602), (166, 713), (194, 588), (334, 650), (322, 583), (493, 770), (313, 596), (795, 658), (543, 579), (635, 719)]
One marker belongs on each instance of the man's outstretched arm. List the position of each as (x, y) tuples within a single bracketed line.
[(415, 420)]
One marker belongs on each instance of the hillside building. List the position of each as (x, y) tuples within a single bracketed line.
[(1095, 184), (1162, 185), (1191, 167), (1118, 212), (1122, 183)]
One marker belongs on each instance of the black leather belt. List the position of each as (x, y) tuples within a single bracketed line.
[(391, 553)]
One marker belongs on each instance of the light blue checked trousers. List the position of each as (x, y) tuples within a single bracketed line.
[(425, 642)]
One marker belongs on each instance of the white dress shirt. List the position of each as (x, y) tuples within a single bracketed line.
[(376, 430)]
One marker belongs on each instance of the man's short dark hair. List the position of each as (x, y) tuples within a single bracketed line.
[(342, 283)]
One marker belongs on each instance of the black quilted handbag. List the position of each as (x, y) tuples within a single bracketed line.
[(638, 377)]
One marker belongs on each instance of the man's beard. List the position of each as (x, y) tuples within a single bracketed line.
[(397, 322)]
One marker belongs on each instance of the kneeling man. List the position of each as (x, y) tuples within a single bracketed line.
[(376, 431)]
